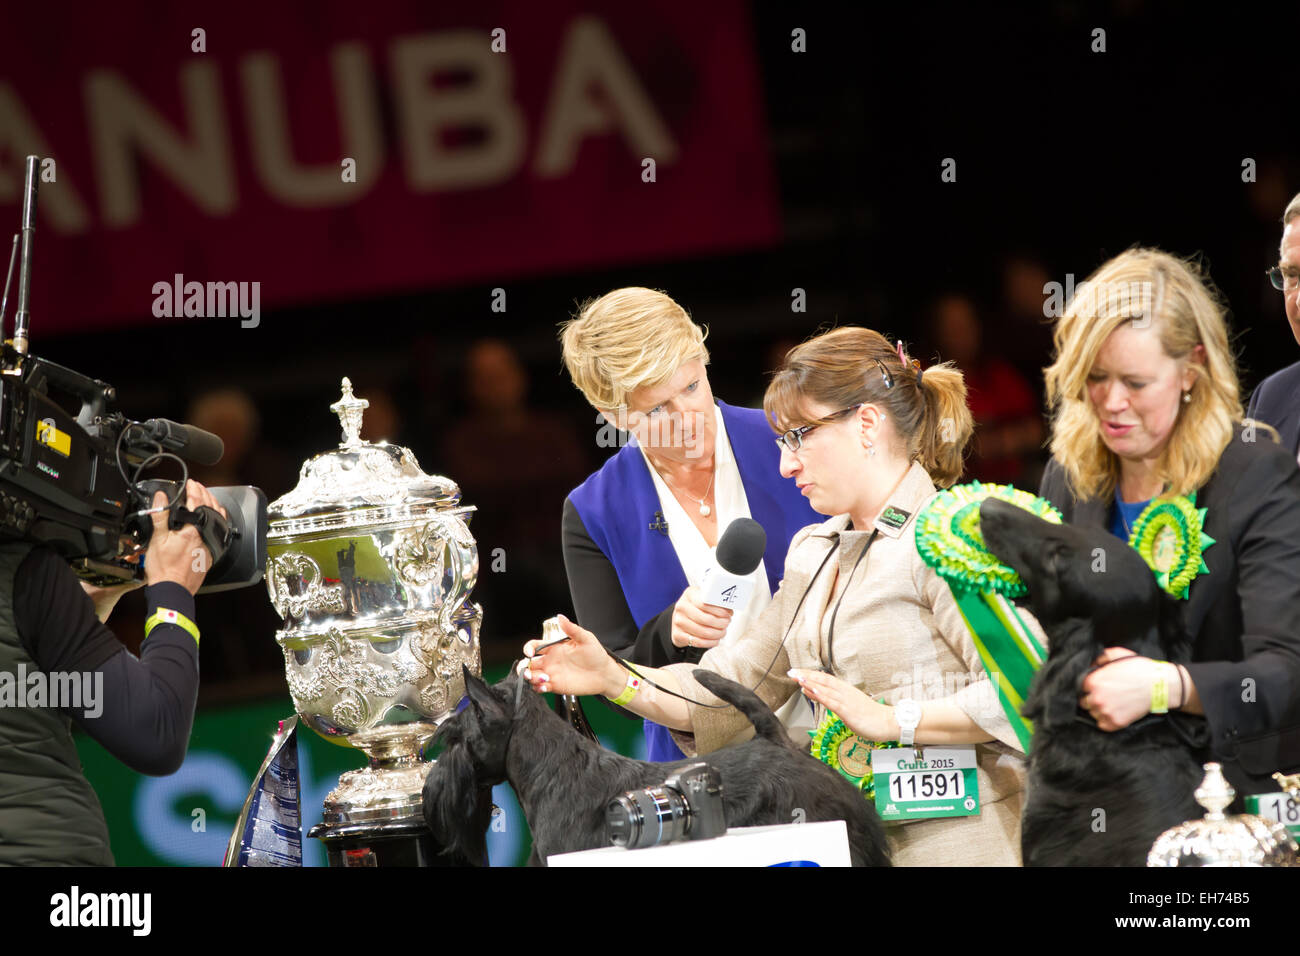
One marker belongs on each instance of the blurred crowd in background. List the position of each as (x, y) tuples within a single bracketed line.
[(467, 374)]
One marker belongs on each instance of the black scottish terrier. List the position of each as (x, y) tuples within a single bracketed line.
[(1141, 777), (564, 781)]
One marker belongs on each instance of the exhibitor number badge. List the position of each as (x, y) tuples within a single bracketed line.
[(926, 782), (1282, 808)]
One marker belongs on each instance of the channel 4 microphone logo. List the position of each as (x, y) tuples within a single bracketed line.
[(729, 596)]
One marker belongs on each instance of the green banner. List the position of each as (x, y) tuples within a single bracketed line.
[(186, 818)]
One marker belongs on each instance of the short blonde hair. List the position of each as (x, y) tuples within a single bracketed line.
[(1186, 311), (1292, 210), (628, 339)]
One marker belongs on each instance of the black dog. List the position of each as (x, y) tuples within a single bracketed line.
[(564, 781), (1095, 798)]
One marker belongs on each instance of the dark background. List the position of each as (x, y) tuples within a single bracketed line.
[(1064, 158)]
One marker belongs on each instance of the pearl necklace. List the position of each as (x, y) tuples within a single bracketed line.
[(705, 510)]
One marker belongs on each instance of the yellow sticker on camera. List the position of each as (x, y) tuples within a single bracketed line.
[(48, 434)]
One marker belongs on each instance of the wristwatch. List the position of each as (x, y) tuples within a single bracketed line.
[(908, 714)]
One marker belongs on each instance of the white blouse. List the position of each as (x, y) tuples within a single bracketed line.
[(696, 557), (692, 550)]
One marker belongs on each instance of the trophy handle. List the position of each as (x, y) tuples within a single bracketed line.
[(462, 565)]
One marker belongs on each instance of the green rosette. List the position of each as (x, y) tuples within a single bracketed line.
[(837, 746), (949, 540), (1170, 536), (948, 537)]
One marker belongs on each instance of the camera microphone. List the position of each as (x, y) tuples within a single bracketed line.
[(198, 445), (740, 549)]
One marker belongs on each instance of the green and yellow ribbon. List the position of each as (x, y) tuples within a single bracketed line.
[(949, 540)]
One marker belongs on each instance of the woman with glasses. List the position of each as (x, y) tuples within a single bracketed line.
[(1148, 442), (861, 624), (640, 533)]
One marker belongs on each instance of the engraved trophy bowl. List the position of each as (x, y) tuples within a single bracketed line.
[(370, 564)]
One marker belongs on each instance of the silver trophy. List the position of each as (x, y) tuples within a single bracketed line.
[(1221, 840), (370, 564)]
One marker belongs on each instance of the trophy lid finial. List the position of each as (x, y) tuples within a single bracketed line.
[(349, 409), (1215, 794)]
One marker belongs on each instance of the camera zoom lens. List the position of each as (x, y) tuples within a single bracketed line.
[(645, 818)]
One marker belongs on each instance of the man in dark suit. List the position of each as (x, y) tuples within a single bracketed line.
[(1276, 400)]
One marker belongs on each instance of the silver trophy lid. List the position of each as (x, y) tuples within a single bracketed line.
[(358, 482), (1221, 840)]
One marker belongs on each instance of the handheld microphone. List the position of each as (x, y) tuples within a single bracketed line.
[(740, 549), (198, 445)]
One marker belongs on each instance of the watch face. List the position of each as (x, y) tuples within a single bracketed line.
[(908, 713)]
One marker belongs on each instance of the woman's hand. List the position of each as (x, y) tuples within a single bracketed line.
[(696, 624), (862, 715), (1120, 693), (579, 665)]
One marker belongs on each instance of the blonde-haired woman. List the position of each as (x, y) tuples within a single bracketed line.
[(866, 435), (640, 533), (1148, 434)]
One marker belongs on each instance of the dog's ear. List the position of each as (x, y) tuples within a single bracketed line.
[(480, 694), (448, 733)]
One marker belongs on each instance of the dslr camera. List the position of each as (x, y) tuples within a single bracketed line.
[(687, 806)]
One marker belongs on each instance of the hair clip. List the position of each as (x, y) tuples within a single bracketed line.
[(889, 379)]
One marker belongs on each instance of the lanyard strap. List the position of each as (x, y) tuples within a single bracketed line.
[(830, 636)]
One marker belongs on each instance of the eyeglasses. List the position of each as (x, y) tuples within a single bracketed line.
[(1284, 281), (793, 439)]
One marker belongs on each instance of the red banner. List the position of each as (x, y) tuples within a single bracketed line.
[(336, 149)]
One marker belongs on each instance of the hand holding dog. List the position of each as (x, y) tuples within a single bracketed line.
[(860, 713), (1120, 691), (579, 665)]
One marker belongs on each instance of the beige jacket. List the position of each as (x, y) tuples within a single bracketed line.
[(897, 634)]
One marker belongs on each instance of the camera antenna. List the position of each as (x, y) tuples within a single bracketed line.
[(23, 314), (4, 303)]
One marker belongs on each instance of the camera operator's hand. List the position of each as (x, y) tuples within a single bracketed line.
[(179, 556)]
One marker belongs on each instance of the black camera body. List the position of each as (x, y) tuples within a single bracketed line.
[(64, 481), (686, 806)]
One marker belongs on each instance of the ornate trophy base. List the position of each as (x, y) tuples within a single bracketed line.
[(375, 818), (384, 844)]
